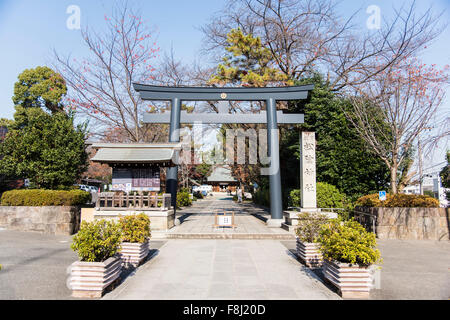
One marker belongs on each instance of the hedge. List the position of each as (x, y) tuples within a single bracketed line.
[(41, 197), (328, 196), (261, 197), (398, 200)]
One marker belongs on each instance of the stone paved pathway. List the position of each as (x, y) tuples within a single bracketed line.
[(222, 269), (198, 221)]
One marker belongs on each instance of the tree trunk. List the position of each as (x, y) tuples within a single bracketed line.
[(393, 179)]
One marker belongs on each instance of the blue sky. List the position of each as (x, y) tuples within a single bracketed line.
[(30, 29)]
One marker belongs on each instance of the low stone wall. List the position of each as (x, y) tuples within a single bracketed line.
[(411, 223), (57, 220)]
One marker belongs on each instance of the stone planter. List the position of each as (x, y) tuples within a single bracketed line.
[(90, 279), (309, 253), (353, 281), (133, 253)]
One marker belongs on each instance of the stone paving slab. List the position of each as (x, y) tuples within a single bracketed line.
[(222, 269)]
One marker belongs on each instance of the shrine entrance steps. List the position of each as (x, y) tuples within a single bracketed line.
[(197, 222)]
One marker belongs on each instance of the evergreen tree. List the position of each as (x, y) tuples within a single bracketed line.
[(445, 176), (45, 147), (342, 158)]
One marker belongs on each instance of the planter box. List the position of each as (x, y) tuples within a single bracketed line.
[(353, 281), (90, 279), (134, 253), (309, 253)]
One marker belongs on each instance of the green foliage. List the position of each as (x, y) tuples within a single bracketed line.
[(135, 228), (295, 199), (198, 195), (430, 193), (40, 88), (97, 241), (262, 196), (183, 199), (445, 176), (328, 196), (309, 225), (43, 146), (398, 200), (46, 149), (348, 242), (39, 197), (8, 123), (248, 62), (342, 157), (201, 172)]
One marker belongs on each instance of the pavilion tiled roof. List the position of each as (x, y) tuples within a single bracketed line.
[(135, 153)]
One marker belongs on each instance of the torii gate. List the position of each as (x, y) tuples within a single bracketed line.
[(272, 117)]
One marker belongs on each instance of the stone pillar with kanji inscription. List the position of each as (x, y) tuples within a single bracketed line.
[(308, 170)]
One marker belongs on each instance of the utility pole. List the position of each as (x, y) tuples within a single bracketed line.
[(420, 151), (419, 147)]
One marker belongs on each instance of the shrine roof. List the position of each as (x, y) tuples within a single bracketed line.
[(135, 153), (221, 174)]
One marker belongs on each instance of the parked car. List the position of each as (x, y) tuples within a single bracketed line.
[(84, 188), (203, 187), (89, 189), (93, 189)]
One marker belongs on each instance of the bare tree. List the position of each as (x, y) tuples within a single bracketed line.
[(393, 109), (100, 85), (308, 35)]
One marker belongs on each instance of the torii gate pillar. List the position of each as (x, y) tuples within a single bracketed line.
[(276, 206), (174, 136)]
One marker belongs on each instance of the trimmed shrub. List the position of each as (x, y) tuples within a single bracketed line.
[(135, 228), (295, 198), (183, 199), (309, 226), (262, 197), (398, 200), (41, 197), (328, 196), (97, 241), (348, 242), (198, 195)]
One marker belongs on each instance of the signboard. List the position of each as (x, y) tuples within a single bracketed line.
[(382, 195), (135, 179), (222, 219), (225, 221)]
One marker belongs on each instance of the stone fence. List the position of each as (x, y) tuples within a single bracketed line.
[(409, 223), (57, 220)]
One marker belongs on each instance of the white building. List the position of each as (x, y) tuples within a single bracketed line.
[(431, 182)]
